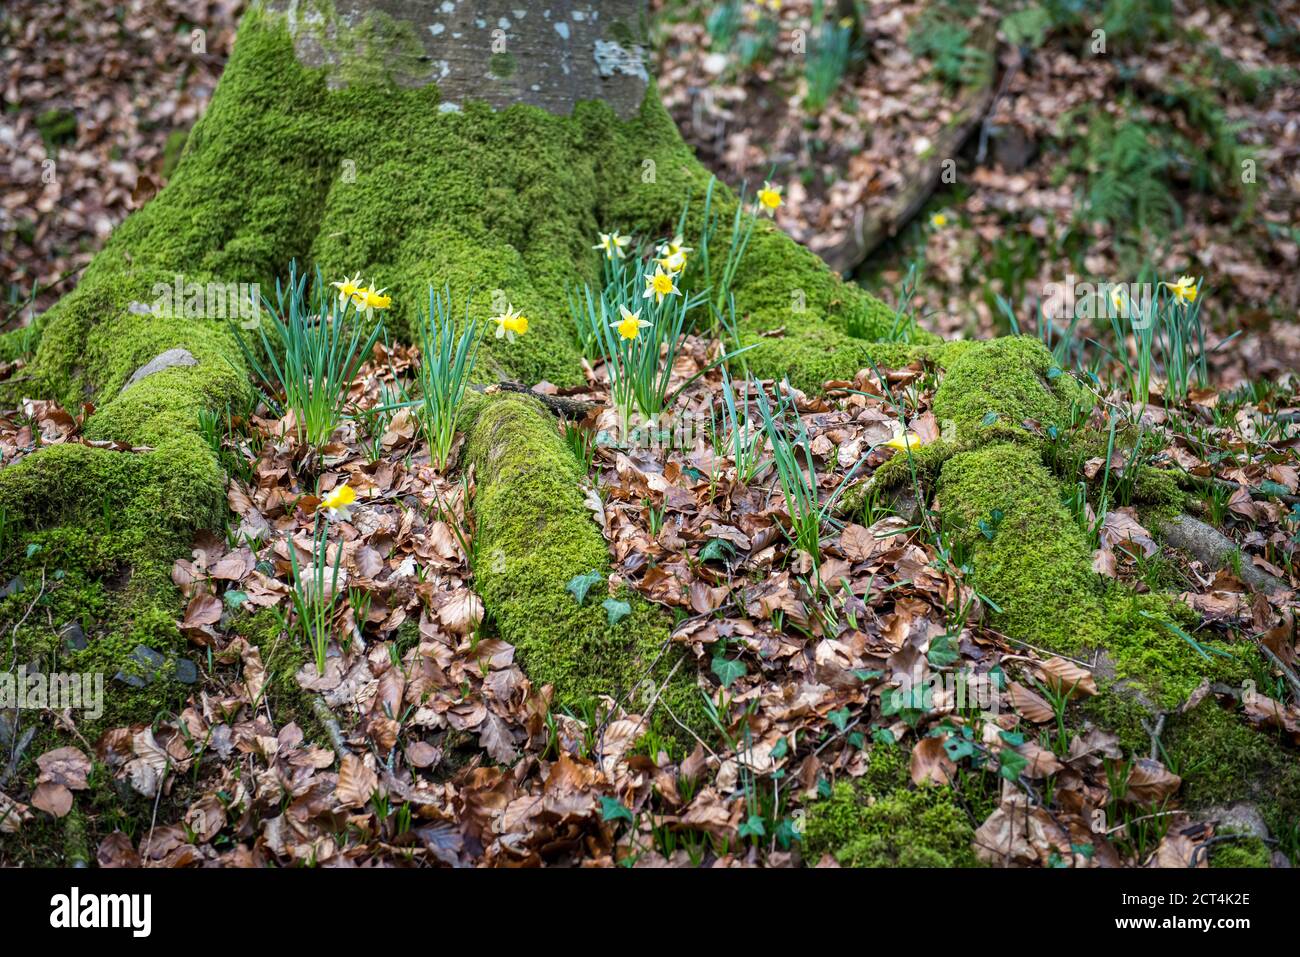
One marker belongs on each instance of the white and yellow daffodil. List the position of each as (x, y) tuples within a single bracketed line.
[(630, 324), (660, 284), (336, 503), (1184, 290), (348, 288), (1119, 299), (612, 244), (510, 324), (769, 198), (369, 299), (904, 441)]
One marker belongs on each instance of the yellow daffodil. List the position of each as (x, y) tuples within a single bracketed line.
[(939, 220), (672, 255), (908, 440), (348, 288), (846, 22), (674, 248), (510, 324), (1119, 299), (674, 264), (370, 299), (612, 244), (1184, 290), (769, 198), (631, 323), (336, 502), (660, 284)]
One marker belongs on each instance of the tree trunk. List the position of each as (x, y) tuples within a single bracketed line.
[(501, 52)]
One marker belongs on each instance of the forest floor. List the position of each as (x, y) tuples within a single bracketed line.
[(440, 748)]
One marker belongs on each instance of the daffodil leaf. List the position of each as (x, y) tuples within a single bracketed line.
[(616, 610), (579, 585)]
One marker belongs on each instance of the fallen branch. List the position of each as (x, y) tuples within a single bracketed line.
[(560, 405)]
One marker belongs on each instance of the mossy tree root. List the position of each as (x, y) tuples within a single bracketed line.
[(533, 535)]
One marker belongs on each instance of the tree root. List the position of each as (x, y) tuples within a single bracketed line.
[(1214, 548)]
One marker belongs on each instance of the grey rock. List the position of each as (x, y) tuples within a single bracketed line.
[(74, 639), (1240, 818), (12, 587), (185, 671), (146, 665), (170, 359)]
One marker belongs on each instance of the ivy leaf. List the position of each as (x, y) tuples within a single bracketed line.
[(989, 418), (717, 550), (752, 827), (883, 736), (839, 718), (234, 598), (942, 652), (958, 748), (727, 670), (616, 610), (612, 809), (1011, 763), (579, 585), (786, 834)]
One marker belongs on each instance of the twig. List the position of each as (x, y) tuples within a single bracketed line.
[(326, 717), (1155, 733)]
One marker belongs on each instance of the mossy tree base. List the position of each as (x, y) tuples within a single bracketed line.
[(503, 206)]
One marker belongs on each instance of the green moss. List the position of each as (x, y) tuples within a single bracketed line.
[(881, 821), (1037, 567), (1001, 388), (1038, 570), (534, 535), (1223, 761), (173, 150), (1242, 852)]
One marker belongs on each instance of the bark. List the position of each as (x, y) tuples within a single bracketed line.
[(552, 54)]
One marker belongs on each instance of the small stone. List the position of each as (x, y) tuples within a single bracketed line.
[(12, 587), (74, 639), (186, 672), (147, 664), (170, 359)]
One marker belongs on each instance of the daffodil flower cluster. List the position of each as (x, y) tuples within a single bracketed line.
[(363, 298)]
